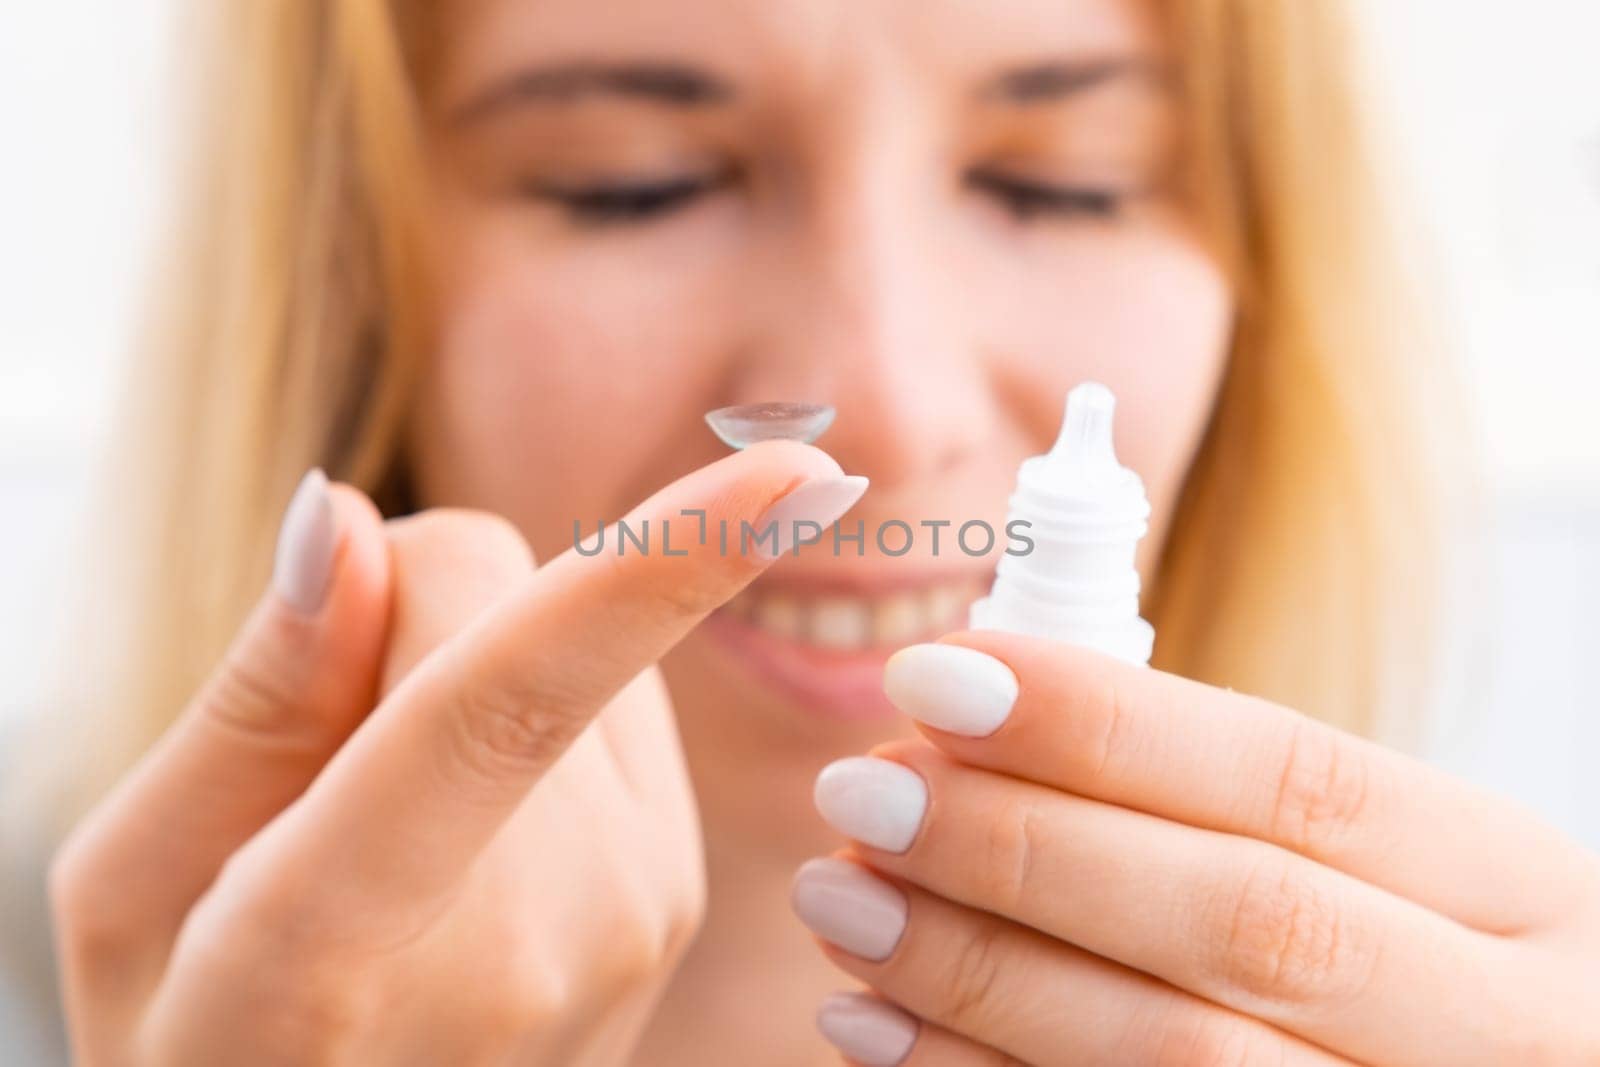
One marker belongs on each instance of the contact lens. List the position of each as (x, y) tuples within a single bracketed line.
[(744, 424)]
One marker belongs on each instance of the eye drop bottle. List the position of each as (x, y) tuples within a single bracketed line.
[(1085, 514)]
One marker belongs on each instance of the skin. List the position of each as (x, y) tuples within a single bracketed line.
[(453, 775)]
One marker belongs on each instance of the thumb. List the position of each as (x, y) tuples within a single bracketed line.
[(302, 672), (300, 675)]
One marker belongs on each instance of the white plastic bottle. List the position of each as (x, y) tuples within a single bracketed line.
[(1085, 514)]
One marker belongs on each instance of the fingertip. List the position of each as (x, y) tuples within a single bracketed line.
[(784, 464), (354, 507), (816, 502), (323, 524), (328, 604), (337, 648), (475, 543), (361, 569)]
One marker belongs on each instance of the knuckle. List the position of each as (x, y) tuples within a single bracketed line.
[(1217, 1042), (249, 694), (640, 946), (653, 948), (66, 877), (532, 995), (1323, 789), (967, 1001), (500, 730), (656, 930), (266, 898), (265, 948), (89, 920), (632, 959), (686, 919), (1110, 721), (267, 906), (679, 598), (1013, 841), (1287, 939)]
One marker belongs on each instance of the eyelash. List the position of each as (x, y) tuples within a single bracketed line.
[(1026, 199), (601, 205)]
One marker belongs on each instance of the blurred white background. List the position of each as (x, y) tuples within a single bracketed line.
[(1499, 111), (1500, 108), (1501, 115)]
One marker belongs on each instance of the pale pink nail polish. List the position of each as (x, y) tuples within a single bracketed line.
[(870, 1031), (951, 687), (843, 904), (876, 801), (304, 558), (805, 512)]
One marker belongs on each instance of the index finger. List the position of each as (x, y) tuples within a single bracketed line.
[(1091, 725), (451, 752)]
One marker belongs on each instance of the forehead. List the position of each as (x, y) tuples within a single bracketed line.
[(804, 41)]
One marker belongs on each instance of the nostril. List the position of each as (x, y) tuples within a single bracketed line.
[(744, 424)]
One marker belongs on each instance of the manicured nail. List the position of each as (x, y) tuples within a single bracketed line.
[(951, 687), (866, 1029), (876, 801), (843, 904), (806, 512), (306, 539)]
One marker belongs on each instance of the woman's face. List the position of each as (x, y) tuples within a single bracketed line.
[(936, 215)]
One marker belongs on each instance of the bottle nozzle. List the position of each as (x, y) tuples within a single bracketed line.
[(1084, 453)]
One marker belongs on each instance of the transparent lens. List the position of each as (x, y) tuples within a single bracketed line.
[(745, 424)]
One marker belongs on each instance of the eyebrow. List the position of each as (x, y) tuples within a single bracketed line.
[(1057, 78), (667, 83)]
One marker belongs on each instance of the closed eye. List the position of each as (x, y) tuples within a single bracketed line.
[(1028, 199), (622, 202)]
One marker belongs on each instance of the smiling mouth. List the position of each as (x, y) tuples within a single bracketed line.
[(841, 622)]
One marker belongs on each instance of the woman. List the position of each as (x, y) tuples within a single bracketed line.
[(488, 263)]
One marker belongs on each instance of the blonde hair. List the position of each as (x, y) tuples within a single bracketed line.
[(1305, 555), (1296, 565)]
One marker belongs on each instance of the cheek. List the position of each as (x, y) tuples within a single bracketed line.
[(561, 393)]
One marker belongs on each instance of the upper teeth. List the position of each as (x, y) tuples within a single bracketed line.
[(849, 622)]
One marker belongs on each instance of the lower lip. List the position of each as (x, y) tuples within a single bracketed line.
[(832, 683)]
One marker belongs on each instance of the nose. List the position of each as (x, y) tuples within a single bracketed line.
[(865, 314)]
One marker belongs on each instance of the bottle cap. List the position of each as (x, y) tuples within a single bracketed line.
[(1084, 513)]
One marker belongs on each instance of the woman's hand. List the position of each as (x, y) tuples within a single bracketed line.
[(500, 861), (1093, 863)]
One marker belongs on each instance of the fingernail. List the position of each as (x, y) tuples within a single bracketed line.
[(304, 558), (951, 687), (818, 502), (846, 906), (866, 1029), (876, 801)]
